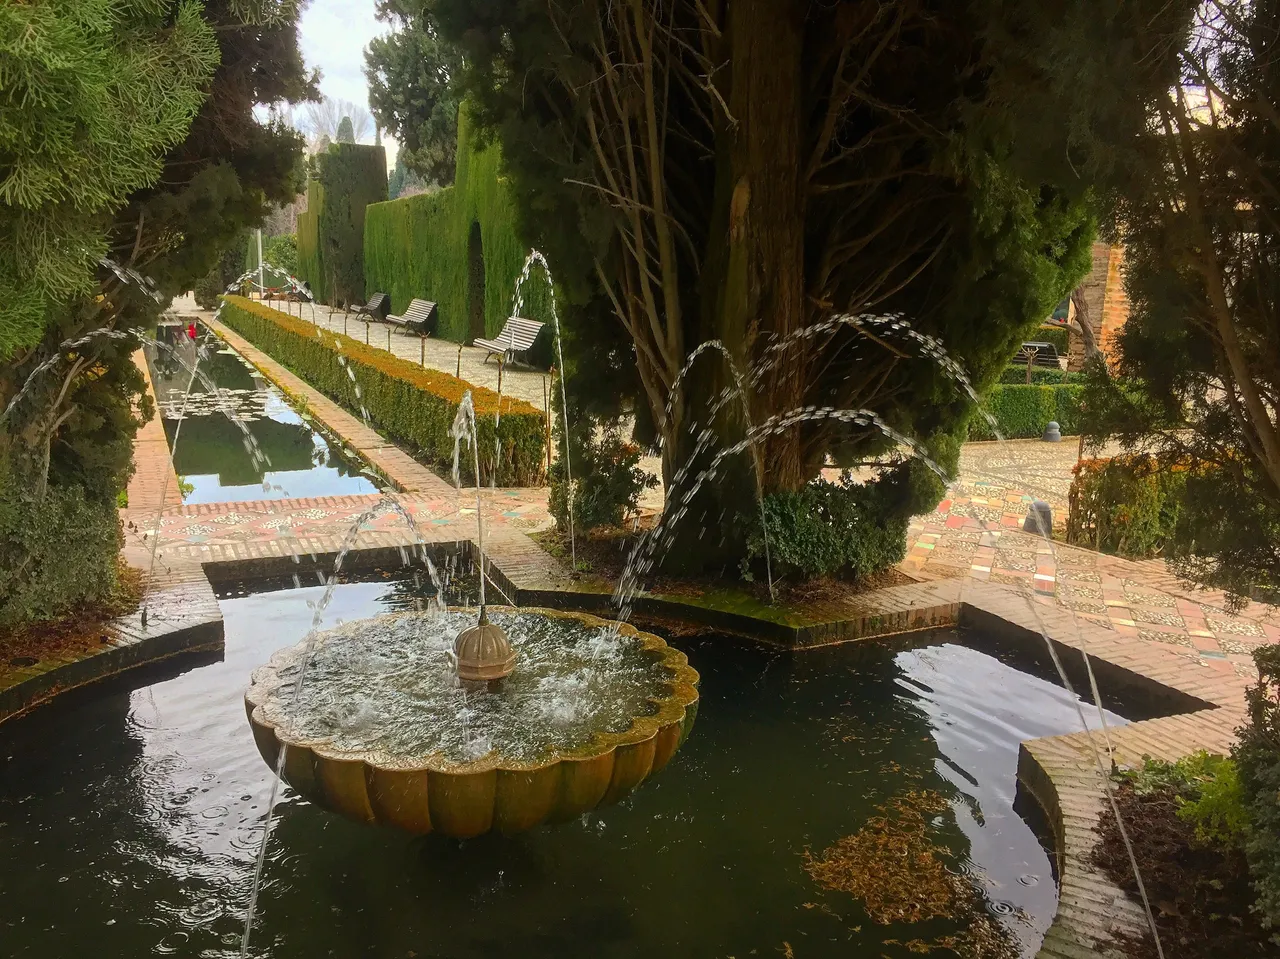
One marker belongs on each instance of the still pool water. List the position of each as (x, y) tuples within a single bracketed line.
[(130, 814), (210, 455)]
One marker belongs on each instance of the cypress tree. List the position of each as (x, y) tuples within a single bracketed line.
[(745, 170)]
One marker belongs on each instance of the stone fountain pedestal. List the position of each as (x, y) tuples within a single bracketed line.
[(465, 799)]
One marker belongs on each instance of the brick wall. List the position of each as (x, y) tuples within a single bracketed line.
[(1095, 288), (1115, 304), (1108, 306)]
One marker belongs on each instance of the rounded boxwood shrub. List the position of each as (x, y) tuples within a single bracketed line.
[(827, 529)]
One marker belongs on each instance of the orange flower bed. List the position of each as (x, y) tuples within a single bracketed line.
[(406, 401), (444, 385)]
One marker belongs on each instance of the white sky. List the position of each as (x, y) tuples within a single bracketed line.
[(334, 34)]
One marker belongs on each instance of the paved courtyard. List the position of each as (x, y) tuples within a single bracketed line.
[(1131, 616), (974, 534)]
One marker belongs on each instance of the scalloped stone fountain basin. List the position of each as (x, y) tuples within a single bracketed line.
[(382, 732)]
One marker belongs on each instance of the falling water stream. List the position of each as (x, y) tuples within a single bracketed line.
[(651, 547), (535, 257), (684, 488)]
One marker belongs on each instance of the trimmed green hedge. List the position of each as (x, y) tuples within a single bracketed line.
[(354, 176), (1016, 374), (1022, 412), (421, 246), (310, 268), (1059, 336), (349, 177), (411, 404)]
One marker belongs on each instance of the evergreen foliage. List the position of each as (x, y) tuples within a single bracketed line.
[(346, 132), (1257, 758), (403, 182), (607, 486), (843, 528), (92, 96), (282, 252), (745, 170), (100, 154), (395, 181), (411, 73), (420, 246), (1124, 506), (210, 287), (349, 177), (412, 404), (1197, 368), (235, 167)]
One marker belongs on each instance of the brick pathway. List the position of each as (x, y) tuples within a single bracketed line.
[(975, 533), (470, 363), (1137, 623)]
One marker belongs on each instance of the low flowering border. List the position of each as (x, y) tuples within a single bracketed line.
[(411, 404)]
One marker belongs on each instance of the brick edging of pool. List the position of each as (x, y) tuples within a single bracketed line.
[(1059, 772)]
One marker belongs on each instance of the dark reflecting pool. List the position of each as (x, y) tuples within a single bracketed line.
[(210, 453), (130, 815)]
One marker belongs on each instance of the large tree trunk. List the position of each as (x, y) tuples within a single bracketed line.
[(752, 283), (754, 280)]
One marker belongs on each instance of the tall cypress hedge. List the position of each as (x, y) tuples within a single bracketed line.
[(310, 268), (349, 177), (419, 246)]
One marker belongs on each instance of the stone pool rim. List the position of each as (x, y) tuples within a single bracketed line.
[(430, 793), (1058, 771)]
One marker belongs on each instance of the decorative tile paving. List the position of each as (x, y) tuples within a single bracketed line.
[(981, 519), (1236, 627), (1155, 616), (1158, 636)]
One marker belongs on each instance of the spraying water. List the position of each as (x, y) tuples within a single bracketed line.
[(537, 258), (464, 429), (738, 386)]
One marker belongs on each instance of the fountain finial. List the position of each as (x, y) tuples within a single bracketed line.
[(482, 652)]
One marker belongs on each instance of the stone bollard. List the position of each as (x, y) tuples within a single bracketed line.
[(1051, 433), (1039, 518)]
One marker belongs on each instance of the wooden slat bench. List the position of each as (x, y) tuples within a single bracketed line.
[(378, 307), (421, 317), (516, 338)]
